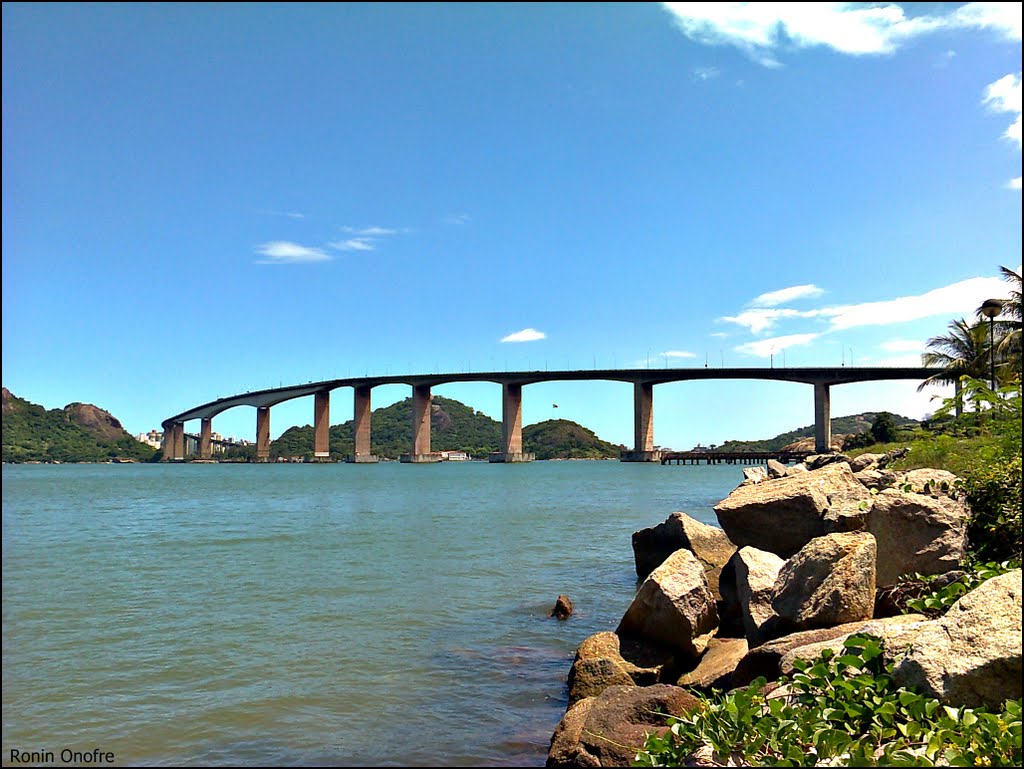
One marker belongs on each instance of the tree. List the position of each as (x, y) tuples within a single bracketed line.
[(961, 352), (1009, 345), (883, 429)]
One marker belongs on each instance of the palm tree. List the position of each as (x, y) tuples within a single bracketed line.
[(1009, 345), (961, 352)]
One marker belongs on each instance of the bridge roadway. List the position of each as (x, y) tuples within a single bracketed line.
[(512, 383)]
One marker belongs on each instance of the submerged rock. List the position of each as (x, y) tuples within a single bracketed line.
[(563, 608)]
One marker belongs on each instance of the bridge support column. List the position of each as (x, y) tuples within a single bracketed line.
[(362, 451), (174, 442), (205, 438), (511, 426), (263, 434), (421, 427), (322, 426), (822, 418), (643, 426)]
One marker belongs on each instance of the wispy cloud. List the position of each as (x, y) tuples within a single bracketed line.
[(857, 29), (903, 345), (720, 335), (764, 348), (1014, 184), (353, 244), (960, 298), (372, 232), (526, 335), (289, 214), (703, 74), (1004, 96), (678, 354), (786, 295), (457, 219), (286, 252)]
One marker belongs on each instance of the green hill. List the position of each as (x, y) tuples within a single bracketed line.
[(80, 432), (454, 426), (851, 425)]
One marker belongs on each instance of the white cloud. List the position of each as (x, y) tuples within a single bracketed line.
[(895, 361), (785, 295), (856, 29), (457, 219), (703, 74), (903, 345), (961, 298), (678, 354), (371, 232), (285, 252), (526, 335), (761, 320), (1014, 184), (354, 244), (1004, 96), (720, 335), (764, 348)]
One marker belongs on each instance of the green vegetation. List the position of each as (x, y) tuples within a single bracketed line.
[(840, 710), (33, 434), (934, 603), (453, 427), (855, 424)]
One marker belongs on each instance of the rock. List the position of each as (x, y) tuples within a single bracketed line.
[(609, 729), (917, 533), (865, 462), (892, 456), (927, 481), (817, 461), (604, 660), (754, 475), (714, 671), (784, 514), (831, 581), (679, 531), (674, 606), (776, 469), (798, 469), (764, 660), (756, 573), (892, 630), (563, 608), (971, 656)]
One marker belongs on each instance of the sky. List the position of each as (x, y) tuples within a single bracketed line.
[(205, 199)]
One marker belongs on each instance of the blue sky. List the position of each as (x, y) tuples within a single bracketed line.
[(200, 200)]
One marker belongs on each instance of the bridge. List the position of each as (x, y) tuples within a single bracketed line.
[(732, 457), (512, 384)]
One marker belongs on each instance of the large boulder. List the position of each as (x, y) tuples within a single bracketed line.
[(927, 480), (756, 572), (764, 660), (681, 532), (609, 729), (895, 633), (865, 462), (714, 671), (754, 474), (817, 461), (674, 607), (784, 514), (917, 533), (831, 581), (971, 656), (776, 469), (604, 660)]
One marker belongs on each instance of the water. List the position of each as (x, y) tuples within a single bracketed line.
[(315, 614)]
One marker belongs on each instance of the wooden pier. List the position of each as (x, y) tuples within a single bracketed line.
[(731, 457)]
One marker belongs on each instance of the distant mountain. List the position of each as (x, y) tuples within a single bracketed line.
[(841, 426), (454, 426), (80, 432)]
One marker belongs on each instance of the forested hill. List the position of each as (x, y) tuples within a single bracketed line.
[(851, 425), (454, 426), (80, 432)]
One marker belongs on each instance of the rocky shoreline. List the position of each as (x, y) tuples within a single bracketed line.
[(804, 558)]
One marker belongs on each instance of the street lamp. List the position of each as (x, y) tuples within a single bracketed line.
[(990, 308)]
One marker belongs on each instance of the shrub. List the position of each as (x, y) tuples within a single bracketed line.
[(841, 710), (993, 491)]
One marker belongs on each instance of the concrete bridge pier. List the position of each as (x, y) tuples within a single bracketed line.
[(322, 426), (643, 426), (263, 434), (174, 442), (362, 453), (822, 418), (511, 426), (205, 438), (420, 427)]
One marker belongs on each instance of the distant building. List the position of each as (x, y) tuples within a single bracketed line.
[(455, 456), (154, 438)]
